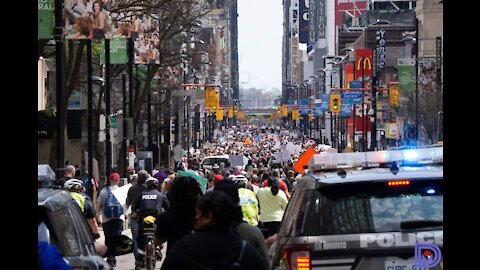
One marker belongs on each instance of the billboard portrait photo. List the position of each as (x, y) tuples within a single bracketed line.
[(87, 19)]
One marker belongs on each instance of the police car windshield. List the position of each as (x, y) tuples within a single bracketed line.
[(368, 208)]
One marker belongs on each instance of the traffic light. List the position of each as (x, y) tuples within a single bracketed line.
[(294, 114), (310, 117), (335, 101), (394, 97)]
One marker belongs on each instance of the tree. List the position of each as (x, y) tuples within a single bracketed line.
[(175, 21)]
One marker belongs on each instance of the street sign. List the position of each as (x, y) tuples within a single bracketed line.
[(355, 84)]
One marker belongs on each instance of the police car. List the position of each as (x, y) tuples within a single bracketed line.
[(368, 210)]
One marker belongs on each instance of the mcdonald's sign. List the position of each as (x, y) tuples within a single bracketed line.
[(363, 60)]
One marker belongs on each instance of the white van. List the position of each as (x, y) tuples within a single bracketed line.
[(208, 162)]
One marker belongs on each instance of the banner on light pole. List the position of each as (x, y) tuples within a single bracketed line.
[(406, 75), (118, 51), (45, 19)]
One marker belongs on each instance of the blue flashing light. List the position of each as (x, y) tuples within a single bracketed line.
[(410, 155), (430, 191)]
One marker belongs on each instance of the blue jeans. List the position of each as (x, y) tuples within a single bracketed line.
[(134, 229)]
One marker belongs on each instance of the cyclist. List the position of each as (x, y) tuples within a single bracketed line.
[(75, 188), (149, 202)]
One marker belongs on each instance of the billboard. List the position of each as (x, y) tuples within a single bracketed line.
[(353, 9), (95, 20), (363, 66), (303, 23), (86, 20)]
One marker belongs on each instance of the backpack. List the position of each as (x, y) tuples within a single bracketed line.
[(112, 207)]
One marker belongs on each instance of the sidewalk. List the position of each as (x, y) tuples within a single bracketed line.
[(127, 261)]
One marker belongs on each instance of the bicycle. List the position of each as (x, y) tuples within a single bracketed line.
[(152, 252)]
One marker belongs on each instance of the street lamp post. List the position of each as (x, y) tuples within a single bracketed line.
[(108, 143), (59, 84), (439, 138), (124, 139)]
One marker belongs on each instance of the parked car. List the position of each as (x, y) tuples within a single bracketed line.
[(68, 229)]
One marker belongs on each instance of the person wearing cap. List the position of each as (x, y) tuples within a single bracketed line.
[(216, 178)]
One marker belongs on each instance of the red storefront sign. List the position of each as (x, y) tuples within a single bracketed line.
[(359, 124)]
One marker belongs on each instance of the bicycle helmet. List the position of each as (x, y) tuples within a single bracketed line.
[(74, 184), (151, 182), (240, 180)]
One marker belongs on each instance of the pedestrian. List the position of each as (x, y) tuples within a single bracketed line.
[(75, 188), (273, 202), (112, 227), (132, 194), (178, 221), (149, 202), (213, 235), (250, 233), (68, 174)]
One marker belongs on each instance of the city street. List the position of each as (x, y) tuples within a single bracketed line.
[(127, 261)]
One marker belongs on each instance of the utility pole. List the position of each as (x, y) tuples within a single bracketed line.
[(59, 84)]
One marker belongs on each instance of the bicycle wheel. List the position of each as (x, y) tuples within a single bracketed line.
[(150, 256)]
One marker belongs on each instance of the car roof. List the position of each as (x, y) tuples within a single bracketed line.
[(221, 156), (310, 180), (53, 199)]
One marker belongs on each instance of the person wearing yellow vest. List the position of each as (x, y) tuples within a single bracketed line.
[(248, 201), (249, 204), (75, 188)]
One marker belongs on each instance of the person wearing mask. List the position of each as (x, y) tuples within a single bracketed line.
[(213, 235), (149, 202), (273, 202), (132, 194), (178, 221), (112, 227)]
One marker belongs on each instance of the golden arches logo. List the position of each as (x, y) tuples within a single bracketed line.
[(365, 60)]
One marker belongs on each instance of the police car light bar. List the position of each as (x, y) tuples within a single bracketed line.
[(421, 156)]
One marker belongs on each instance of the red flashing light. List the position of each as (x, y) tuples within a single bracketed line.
[(131, 149), (399, 183), (297, 257)]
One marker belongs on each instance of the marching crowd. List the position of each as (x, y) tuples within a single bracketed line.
[(235, 217)]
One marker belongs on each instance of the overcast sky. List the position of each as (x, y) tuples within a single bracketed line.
[(260, 43)]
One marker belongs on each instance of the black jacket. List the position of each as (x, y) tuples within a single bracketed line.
[(212, 250)]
